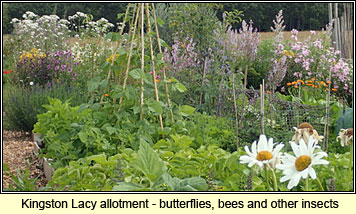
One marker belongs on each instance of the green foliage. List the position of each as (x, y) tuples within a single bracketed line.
[(65, 132), (262, 64), (344, 121), (22, 180), (22, 105), (93, 173), (6, 19), (194, 20), (336, 176)]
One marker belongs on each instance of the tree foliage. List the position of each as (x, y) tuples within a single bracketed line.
[(301, 16)]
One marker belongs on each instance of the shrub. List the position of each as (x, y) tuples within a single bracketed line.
[(22, 105)]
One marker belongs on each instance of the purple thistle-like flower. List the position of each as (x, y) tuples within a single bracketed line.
[(48, 67)]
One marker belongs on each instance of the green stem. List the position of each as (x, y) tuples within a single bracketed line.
[(275, 184), (306, 184), (266, 175), (320, 185), (350, 166)]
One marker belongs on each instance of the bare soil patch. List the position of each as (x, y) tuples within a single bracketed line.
[(18, 149)]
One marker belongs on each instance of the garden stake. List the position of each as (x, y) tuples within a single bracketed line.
[(129, 58), (203, 80), (243, 99), (163, 69), (142, 60), (117, 46), (235, 107), (152, 61), (327, 109)]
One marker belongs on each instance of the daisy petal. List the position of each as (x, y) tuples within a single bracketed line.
[(262, 143)]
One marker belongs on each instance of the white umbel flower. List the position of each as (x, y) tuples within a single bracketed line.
[(262, 153), (301, 165)]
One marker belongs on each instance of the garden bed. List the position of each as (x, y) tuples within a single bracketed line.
[(18, 147)]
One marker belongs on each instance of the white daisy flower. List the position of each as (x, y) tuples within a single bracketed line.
[(262, 153), (345, 136), (301, 165)]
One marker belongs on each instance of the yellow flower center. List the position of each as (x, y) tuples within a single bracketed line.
[(264, 155), (302, 162)]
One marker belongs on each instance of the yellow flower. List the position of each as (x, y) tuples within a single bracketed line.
[(111, 58)]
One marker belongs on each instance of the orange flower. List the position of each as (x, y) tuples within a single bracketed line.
[(308, 84), (169, 80), (313, 79), (328, 82), (334, 89), (289, 84), (106, 95), (309, 81), (157, 81), (268, 92), (295, 86), (326, 89), (294, 83)]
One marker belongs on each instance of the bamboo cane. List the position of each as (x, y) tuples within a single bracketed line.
[(244, 97), (235, 107), (164, 70), (203, 80), (129, 58), (152, 61), (142, 60), (117, 46), (327, 109)]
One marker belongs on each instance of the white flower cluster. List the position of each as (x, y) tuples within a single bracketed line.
[(47, 32), (78, 15), (29, 15), (82, 22)]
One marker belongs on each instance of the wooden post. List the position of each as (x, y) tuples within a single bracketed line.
[(235, 107), (336, 31)]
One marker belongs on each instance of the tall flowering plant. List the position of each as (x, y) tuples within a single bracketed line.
[(279, 61), (48, 33), (317, 59), (37, 67)]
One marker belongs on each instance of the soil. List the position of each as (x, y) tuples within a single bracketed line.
[(18, 153)]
